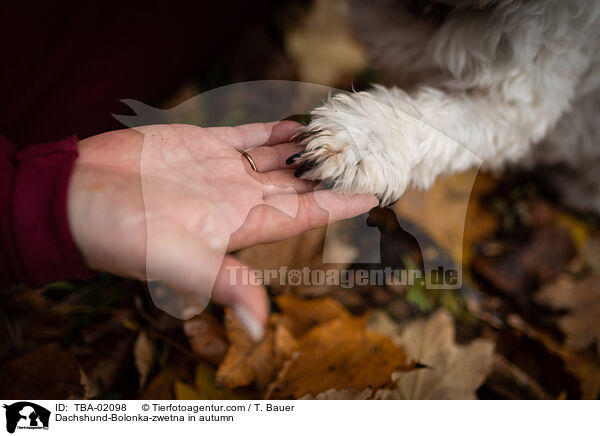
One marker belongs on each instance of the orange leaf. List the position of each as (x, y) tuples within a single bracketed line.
[(247, 361), (300, 315), (338, 355)]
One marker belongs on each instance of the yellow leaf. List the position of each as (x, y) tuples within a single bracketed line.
[(578, 229)]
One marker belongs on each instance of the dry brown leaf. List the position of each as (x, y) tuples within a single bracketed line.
[(247, 361), (48, 373), (207, 337), (143, 354), (89, 390), (537, 260), (587, 371), (580, 295), (453, 371), (300, 315), (342, 394), (582, 298), (337, 355)]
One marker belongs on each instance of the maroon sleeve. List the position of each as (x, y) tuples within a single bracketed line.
[(36, 246)]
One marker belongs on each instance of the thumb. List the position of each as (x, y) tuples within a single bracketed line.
[(237, 288)]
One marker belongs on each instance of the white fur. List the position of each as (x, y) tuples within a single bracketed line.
[(491, 83)]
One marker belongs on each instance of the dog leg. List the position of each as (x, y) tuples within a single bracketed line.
[(383, 140)]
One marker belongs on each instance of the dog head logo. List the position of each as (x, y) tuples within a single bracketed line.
[(26, 415)]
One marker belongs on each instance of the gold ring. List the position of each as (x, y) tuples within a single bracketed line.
[(250, 160)]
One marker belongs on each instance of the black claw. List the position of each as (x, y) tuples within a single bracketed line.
[(305, 134), (301, 136), (306, 166), (290, 160)]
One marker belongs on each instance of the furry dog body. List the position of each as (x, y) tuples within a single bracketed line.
[(481, 81)]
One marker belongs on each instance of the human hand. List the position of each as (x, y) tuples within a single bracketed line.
[(166, 202)]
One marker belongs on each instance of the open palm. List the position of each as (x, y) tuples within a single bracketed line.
[(164, 203)]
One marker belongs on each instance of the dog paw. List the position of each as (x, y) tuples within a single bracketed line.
[(351, 144)]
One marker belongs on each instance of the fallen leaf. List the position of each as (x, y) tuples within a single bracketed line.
[(300, 315), (247, 361), (342, 394), (452, 371), (205, 387), (48, 373), (106, 369), (89, 390), (207, 337), (538, 260), (579, 293), (581, 297), (578, 229), (587, 370), (380, 322), (143, 355), (338, 355), (112, 341)]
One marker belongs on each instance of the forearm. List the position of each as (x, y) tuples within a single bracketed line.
[(385, 140)]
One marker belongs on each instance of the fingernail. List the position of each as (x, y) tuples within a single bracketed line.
[(191, 311), (254, 328)]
